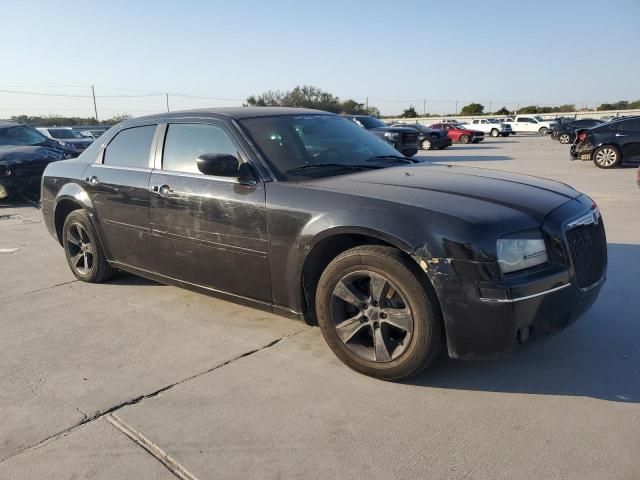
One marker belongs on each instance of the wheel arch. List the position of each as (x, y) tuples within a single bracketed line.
[(70, 197), (332, 242)]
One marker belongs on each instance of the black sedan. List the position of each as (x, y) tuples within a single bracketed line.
[(609, 145), (428, 138), (566, 132), (305, 214)]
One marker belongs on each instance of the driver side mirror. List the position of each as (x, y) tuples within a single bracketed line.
[(218, 164)]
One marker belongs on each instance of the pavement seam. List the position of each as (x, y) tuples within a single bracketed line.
[(154, 450), (88, 419)]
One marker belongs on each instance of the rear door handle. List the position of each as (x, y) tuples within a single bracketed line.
[(162, 190), (620, 135), (93, 181)]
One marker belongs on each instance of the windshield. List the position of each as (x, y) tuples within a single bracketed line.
[(21, 135), (540, 119), (64, 133), (290, 142)]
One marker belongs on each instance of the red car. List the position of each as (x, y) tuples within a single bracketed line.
[(460, 135)]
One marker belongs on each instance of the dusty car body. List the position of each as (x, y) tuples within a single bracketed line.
[(273, 237), (609, 145)]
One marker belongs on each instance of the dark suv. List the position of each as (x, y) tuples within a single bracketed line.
[(428, 138), (403, 139), (610, 144), (306, 214), (566, 132)]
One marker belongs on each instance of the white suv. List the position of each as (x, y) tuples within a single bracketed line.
[(531, 123), (490, 127)]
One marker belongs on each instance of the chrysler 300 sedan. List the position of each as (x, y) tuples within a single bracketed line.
[(305, 214)]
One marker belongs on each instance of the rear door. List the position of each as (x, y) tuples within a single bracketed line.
[(628, 137), (208, 230), (118, 185)]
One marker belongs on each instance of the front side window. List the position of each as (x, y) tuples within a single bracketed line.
[(525, 120), (130, 147), (185, 142), (64, 133)]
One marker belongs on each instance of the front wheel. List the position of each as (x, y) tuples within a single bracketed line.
[(377, 315), (409, 153), (607, 157), (505, 134), (494, 132), (464, 139), (543, 131), (83, 250), (426, 144), (564, 138)]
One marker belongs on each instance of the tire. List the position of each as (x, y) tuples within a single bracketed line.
[(374, 346), (505, 134), (464, 139), (607, 157), (442, 148), (564, 138), (543, 131), (409, 153), (494, 132), (83, 249), (426, 144)]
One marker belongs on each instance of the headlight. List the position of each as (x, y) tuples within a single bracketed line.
[(521, 250), (391, 135)]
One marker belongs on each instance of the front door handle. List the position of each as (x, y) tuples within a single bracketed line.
[(162, 190), (93, 181), (620, 135)]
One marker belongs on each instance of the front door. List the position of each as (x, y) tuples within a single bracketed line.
[(118, 185), (208, 230)]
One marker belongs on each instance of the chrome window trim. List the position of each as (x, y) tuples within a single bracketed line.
[(527, 297)]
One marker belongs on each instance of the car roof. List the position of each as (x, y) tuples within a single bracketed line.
[(237, 113), (8, 123)]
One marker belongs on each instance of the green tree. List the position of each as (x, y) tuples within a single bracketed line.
[(472, 109), (304, 96), (529, 110), (410, 113), (503, 111)]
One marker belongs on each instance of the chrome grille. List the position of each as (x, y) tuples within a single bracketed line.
[(588, 249)]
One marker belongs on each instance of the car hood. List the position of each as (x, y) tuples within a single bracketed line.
[(475, 194), (76, 141), (12, 156)]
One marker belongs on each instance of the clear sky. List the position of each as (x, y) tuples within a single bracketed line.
[(395, 53)]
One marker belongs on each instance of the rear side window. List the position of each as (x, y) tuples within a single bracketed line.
[(184, 143), (130, 147)]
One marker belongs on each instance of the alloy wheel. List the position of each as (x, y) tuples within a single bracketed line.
[(564, 138), (371, 316), (81, 250), (606, 157), (426, 145)]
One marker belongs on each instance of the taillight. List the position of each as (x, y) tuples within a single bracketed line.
[(582, 136)]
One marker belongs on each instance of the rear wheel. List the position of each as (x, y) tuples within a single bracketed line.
[(494, 132), (376, 315), (505, 134), (607, 157), (543, 131), (409, 153), (82, 249), (564, 138), (426, 144), (464, 138)]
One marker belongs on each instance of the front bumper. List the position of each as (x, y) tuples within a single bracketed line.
[(486, 314)]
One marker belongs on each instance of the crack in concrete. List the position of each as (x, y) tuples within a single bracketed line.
[(38, 290), (87, 419)]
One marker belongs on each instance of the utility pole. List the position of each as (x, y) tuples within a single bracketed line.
[(366, 103), (95, 107), (424, 108), (167, 97), (490, 111), (456, 107)]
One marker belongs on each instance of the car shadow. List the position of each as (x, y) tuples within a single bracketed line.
[(470, 146), (597, 357), (128, 279)]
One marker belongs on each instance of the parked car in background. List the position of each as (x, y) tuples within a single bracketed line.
[(305, 214), (24, 154), (566, 132), (610, 144), (531, 124), (68, 136), (92, 131), (428, 138), (403, 139), (489, 126), (459, 134)]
